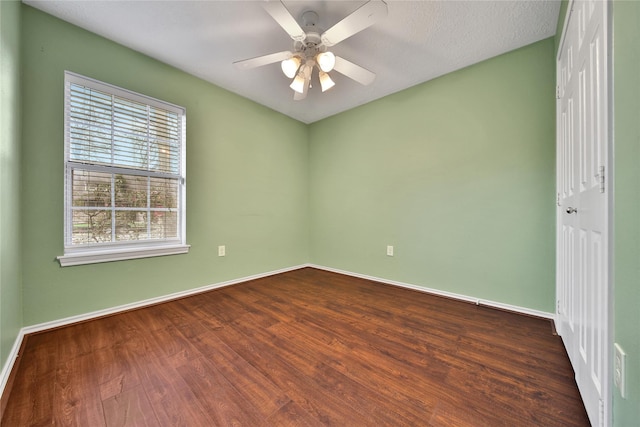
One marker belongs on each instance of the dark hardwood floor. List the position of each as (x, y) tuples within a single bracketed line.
[(304, 348)]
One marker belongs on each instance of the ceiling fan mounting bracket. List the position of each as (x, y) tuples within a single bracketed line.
[(309, 18)]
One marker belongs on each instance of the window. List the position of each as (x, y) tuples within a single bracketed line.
[(124, 174)]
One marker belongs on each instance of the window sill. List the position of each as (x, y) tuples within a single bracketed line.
[(93, 257)]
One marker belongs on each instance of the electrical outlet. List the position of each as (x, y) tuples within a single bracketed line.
[(222, 250), (389, 250), (619, 361)]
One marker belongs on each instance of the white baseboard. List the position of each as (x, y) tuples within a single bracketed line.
[(151, 301), (487, 303), (11, 360), (13, 355)]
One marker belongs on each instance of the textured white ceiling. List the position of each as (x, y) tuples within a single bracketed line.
[(416, 42)]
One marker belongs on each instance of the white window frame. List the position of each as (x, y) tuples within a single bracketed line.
[(75, 254)]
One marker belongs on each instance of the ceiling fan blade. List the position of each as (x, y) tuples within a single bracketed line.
[(362, 18), (282, 16), (353, 71), (247, 64), (297, 96)]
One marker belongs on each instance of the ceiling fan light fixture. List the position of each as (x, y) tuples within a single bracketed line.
[(326, 61), (290, 66), (325, 81), (310, 47), (298, 83)]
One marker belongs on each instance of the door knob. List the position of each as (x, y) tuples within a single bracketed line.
[(571, 210)]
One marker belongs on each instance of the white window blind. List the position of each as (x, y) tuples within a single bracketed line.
[(125, 169)]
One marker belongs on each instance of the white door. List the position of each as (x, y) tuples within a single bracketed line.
[(583, 202)]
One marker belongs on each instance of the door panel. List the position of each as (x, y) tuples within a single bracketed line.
[(582, 279)]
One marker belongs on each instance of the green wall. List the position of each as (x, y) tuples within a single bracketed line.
[(10, 281), (246, 178), (457, 174), (626, 236)]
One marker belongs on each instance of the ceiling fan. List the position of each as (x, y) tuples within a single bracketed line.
[(310, 46)]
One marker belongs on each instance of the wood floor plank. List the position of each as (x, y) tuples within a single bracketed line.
[(221, 400), (114, 371), (148, 318), (77, 400), (495, 390), (173, 401), (129, 408), (31, 399), (292, 415), (302, 348), (174, 345), (309, 362), (365, 368), (507, 361), (198, 308), (297, 380), (458, 413), (249, 382)]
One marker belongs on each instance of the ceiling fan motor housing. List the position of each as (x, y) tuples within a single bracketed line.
[(311, 46)]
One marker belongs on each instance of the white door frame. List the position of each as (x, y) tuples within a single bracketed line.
[(607, 395)]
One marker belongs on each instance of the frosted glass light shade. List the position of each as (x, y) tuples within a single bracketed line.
[(298, 83), (290, 66), (326, 61), (325, 81)]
